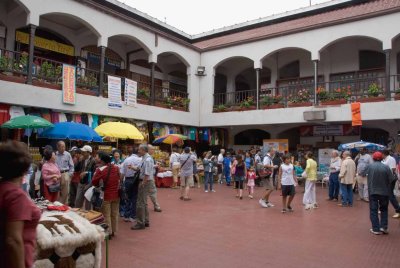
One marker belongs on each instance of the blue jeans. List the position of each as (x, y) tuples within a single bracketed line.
[(208, 180), (227, 174), (334, 185), (131, 191), (381, 203), (347, 194)]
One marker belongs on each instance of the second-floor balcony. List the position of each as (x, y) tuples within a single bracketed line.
[(367, 89), (48, 74)]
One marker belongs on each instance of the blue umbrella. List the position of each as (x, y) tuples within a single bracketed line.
[(71, 131), (361, 144)]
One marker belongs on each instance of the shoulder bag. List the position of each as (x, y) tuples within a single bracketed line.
[(98, 192)]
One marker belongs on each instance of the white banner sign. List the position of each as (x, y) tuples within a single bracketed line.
[(114, 92), (130, 92)]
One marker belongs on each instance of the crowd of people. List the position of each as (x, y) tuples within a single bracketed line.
[(67, 177)]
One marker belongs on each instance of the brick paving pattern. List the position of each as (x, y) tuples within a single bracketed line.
[(219, 230)]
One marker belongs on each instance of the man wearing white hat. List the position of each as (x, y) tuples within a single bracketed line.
[(88, 169)]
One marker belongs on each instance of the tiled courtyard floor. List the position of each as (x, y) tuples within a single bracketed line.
[(219, 230)]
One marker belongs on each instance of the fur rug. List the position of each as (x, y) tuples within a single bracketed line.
[(65, 239)]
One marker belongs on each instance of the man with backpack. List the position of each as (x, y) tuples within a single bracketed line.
[(363, 160)]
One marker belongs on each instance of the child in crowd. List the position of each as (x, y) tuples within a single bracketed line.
[(227, 168), (288, 181), (251, 177)]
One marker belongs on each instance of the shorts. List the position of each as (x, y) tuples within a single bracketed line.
[(269, 183), (187, 181), (239, 185), (219, 171), (288, 190)]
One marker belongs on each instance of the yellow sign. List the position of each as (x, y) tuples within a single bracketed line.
[(45, 44)]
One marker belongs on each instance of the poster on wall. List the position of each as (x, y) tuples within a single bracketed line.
[(114, 92), (280, 145), (68, 84), (324, 158), (130, 92)]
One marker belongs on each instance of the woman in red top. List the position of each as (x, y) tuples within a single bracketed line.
[(19, 217), (110, 208)]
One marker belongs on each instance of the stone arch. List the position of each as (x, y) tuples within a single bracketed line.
[(251, 137)]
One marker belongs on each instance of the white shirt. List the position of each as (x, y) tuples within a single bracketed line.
[(257, 158), (267, 160), (134, 161), (287, 174), (174, 159), (335, 165), (390, 162), (220, 159)]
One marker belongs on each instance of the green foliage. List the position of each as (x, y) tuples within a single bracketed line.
[(374, 90)]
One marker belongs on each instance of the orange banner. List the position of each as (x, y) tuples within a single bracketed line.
[(356, 114), (68, 84)]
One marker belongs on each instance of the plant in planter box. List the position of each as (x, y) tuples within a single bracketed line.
[(271, 100), (373, 90), (323, 95), (301, 96), (5, 63), (220, 108), (247, 103), (143, 93), (185, 103), (22, 64)]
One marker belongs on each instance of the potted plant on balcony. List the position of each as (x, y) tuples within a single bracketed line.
[(247, 104), (300, 99), (49, 76), (397, 94), (337, 97), (220, 108), (8, 71), (272, 102), (143, 95), (185, 103), (374, 94), (88, 85)]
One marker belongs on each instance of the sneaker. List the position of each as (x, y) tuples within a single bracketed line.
[(138, 227), (290, 209), (284, 210), (384, 231), (374, 232), (157, 210), (241, 197), (250, 196), (269, 204), (263, 203), (206, 191), (396, 216), (126, 219), (213, 191)]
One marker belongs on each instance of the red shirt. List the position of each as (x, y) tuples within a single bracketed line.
[(15, 205), (112, 185)]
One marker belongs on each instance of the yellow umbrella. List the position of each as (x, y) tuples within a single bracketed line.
[(119, 130)]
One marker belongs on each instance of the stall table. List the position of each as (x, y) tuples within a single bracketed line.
[(65, 239)]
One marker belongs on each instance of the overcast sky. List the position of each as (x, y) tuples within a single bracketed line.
[(197, 16)]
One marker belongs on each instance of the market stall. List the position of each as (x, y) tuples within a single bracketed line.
[(66, 238)]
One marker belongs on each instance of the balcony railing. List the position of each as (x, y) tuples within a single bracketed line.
[(48, 73), (328, 93)]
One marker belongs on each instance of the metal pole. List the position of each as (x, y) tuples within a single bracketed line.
[(258, 87), (102, 61), (32, 29), (315, 81), (387, 72), (153, 90)]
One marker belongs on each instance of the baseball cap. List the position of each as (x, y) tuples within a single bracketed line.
[(377, 156), (74, 148), (86, 148)]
